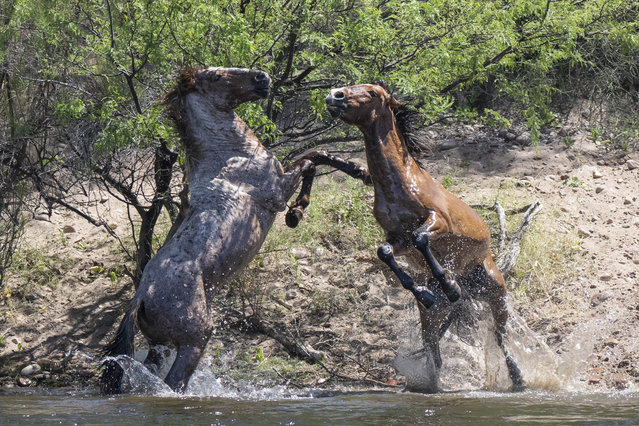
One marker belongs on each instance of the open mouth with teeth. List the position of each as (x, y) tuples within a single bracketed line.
[(335, 110)]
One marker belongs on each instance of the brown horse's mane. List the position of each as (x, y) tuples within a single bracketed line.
[(407, 119)]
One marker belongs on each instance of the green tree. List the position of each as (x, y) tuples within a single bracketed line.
[(80, 81)]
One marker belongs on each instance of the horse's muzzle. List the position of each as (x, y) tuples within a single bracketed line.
[(261, 84), (335, 103)]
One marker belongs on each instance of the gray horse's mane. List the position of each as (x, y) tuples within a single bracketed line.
[(172, 100)]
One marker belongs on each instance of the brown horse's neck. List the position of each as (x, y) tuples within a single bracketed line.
[(212, 137), (386, 150)]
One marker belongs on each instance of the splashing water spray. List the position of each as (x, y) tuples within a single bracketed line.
[(472, 360)]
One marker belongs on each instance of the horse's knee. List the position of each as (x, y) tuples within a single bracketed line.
[(308, 168), (385, 253), (420, 240), (421, 243)]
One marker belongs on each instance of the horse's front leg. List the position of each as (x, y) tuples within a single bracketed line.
[(385, 252), (421, 242), (307, 167)]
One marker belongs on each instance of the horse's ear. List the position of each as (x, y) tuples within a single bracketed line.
[(394, 103)]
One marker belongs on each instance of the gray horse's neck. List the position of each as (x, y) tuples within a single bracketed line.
[(216, 139)]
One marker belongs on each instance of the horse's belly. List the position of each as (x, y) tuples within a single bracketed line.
[(241, 237), (458, 254), (396, 220)]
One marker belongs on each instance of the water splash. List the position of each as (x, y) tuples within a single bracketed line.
[(471, 358), (167, 357), (206, 381), (139, 380), (418, 367), (579, 346)]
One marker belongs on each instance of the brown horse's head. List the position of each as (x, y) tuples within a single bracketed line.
[(225, 88), (360, 104)]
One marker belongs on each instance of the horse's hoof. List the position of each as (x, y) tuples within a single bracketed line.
[(425, 297), (293, 217), (452, 291), (515, 375)]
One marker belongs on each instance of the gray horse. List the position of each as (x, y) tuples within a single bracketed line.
[(236, 189)]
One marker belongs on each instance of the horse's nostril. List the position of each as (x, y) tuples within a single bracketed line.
[(339, 95), (260, 77)]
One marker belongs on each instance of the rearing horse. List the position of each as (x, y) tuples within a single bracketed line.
[(421, 220), (236, 189)]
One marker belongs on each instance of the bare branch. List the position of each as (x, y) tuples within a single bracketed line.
[(502, 226), (506, 259), (61, 83)]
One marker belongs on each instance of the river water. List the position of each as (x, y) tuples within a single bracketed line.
[(558, 392), (338, 408)]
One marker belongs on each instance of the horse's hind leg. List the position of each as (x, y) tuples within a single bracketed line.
[(491, 279), (431, 326), (185, 363), (154, 358)]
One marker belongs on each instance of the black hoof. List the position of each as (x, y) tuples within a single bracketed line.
[(425, 297), (452, 291), (293, 217)]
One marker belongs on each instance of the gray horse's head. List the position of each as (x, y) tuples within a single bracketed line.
[(224, 88)]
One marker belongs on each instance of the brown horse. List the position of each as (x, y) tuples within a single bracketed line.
[(236, 189), (421, 220)]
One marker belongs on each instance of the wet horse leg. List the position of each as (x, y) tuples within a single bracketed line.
[(450, 287), (431, 333), (154, 357), (385, 252), (307, 165), (489, 278), (185, 363), (296, 210), (435, 322)]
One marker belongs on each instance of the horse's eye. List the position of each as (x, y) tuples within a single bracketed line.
[(372, 93), (217, 77)]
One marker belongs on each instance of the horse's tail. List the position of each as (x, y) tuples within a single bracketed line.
[(122, 344)]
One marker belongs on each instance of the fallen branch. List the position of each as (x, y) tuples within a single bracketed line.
[(298, 349), (287, 380), (509, 247), (294, 348), (502, 226)]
